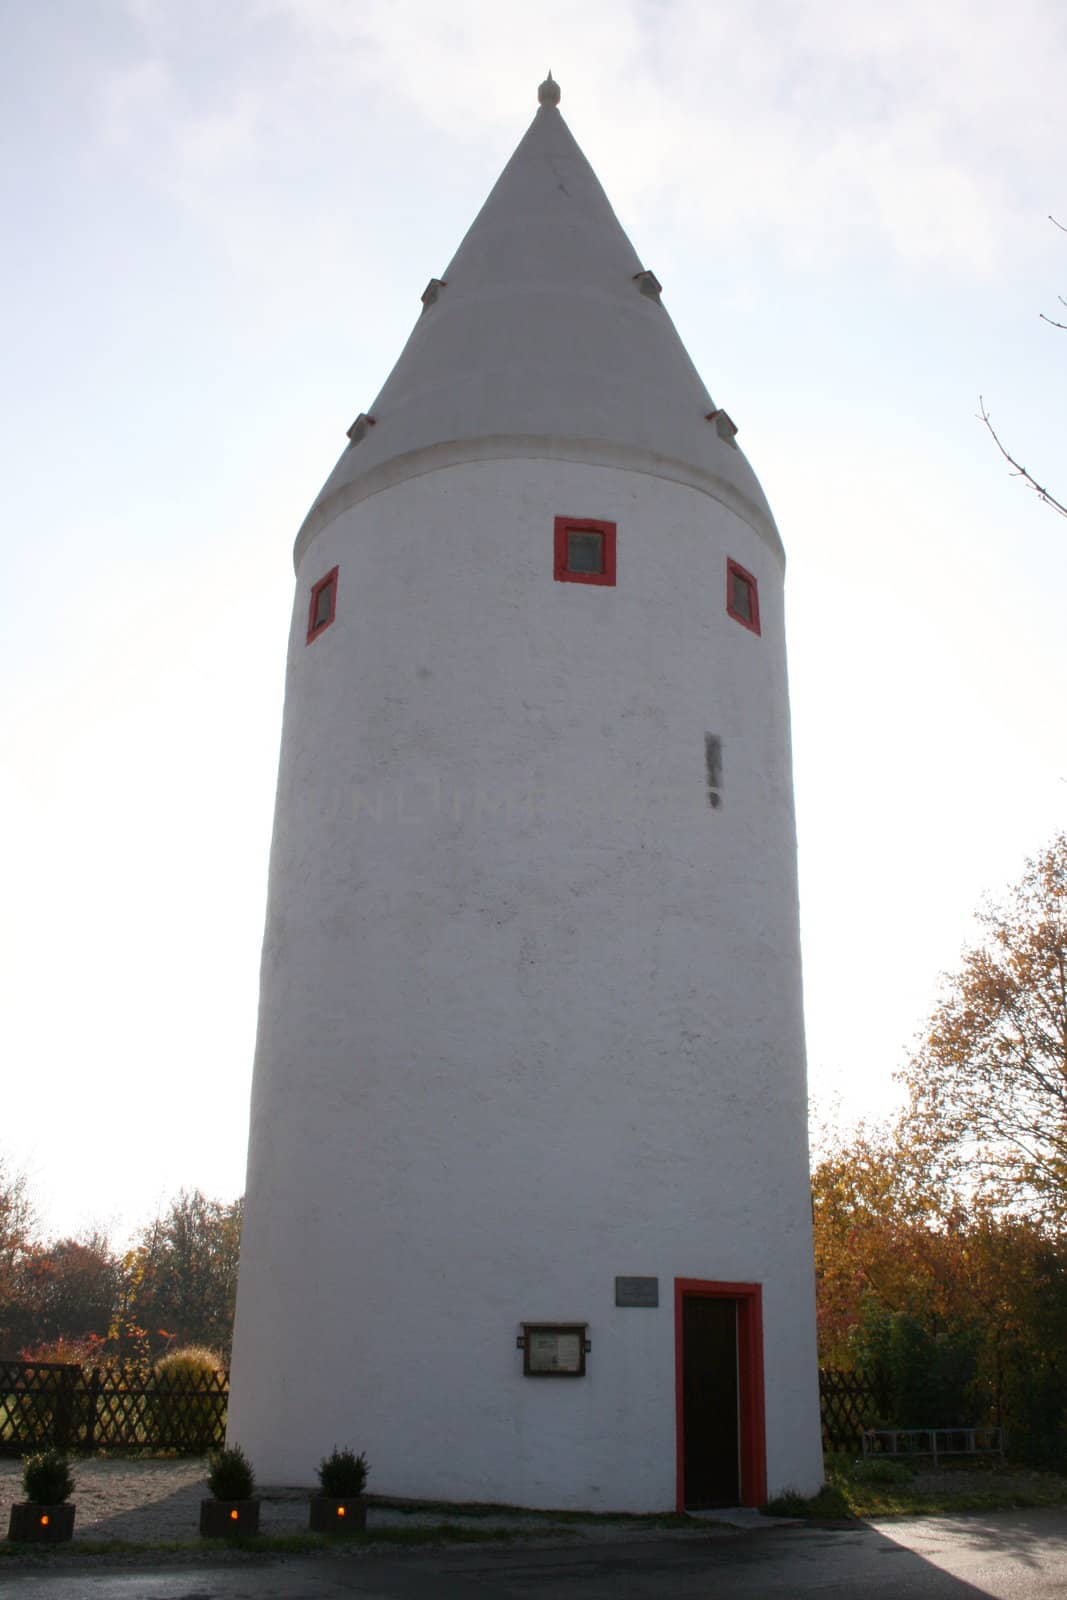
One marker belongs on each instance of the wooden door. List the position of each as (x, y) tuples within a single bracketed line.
[(710, 1401)]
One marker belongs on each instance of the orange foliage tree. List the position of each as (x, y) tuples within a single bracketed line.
[(17, 1223), (941, 1241), (65, 1291), (959, 1312), (872, 1242), (182, 1274), (988, 1086)]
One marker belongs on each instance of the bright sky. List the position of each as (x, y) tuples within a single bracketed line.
[(218, 220)]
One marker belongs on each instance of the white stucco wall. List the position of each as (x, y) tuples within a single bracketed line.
[(531, 1008)]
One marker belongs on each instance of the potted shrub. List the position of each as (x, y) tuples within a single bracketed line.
[(232, 1509), (46, 1516), (339, 1507)]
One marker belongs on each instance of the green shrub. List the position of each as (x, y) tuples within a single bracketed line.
[(191, 1361), (828, 1503), (342, 1474), (46, 1478), (186, 1406), (1036, 1401), (928, 1372), (881, 1470), (231, 1476)]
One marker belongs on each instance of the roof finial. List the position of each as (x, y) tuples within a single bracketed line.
[(548, 93)]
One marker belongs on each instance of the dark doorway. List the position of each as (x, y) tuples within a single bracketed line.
[(710, 1401)]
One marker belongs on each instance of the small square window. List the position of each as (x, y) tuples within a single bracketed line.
[(584, 551), (742, 596), (323, 606)]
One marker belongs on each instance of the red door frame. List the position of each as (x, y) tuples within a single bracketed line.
[(750, 1406)]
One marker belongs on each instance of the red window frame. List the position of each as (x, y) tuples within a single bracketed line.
[(560, 570), (752, 1425), (734, 569), (330, 582)]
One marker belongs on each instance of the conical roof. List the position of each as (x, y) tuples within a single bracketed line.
[(544, 337)]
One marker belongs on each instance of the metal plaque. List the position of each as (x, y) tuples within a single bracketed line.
[(637, 1291)]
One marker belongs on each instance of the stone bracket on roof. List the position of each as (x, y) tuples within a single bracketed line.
[(359, 428), (725, 426), (649, 284), (431, 291)]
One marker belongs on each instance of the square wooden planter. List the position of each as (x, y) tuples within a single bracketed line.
[(341, 1514), (228, 1519), (34, 1524)]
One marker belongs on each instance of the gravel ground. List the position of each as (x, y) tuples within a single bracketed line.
[(156, 1501), (152, 1501), (140, 1500)]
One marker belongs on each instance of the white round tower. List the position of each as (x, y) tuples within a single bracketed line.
[(528, 1215)]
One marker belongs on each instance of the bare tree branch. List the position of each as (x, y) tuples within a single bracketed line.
[(1019, 470)]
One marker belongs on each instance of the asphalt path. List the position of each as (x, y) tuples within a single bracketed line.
[(1006, 1555)]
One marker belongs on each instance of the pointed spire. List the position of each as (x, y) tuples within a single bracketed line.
[(549, 92), (551, 337)]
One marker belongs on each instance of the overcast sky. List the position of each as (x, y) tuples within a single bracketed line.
[(218, 218)]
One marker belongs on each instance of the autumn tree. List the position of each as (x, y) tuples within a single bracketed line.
[(17, 1225), (64, 1292), (182, 1274), (940, 1241), (957, 1312), (882, 1240), (988, 1086)]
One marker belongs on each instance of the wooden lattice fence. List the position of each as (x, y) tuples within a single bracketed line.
[(46, 1403), (122, 1408), (850, 1402)]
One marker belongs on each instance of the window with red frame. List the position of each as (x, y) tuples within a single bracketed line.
[(323, 606), (742, 596), (584, 551)]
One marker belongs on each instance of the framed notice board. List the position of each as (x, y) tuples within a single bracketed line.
[(553, 1349)]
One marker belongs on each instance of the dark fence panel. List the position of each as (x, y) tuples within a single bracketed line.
[(45, 1403), (121, 1408), (850, 1402)]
